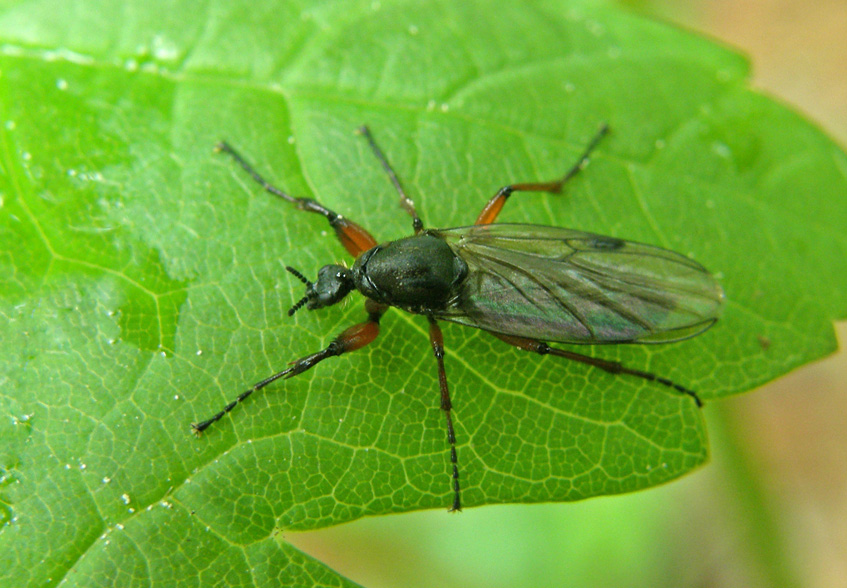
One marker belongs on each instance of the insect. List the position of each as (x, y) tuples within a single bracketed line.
[(525, 284)]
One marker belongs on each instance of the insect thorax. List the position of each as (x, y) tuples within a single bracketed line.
[(417, 273)]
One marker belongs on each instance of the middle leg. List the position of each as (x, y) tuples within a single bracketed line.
[(405, 202), (437, 341)]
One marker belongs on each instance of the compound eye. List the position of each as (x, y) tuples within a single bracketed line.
[(334, 283)]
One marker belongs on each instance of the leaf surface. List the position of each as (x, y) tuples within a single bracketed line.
[(142, 281)]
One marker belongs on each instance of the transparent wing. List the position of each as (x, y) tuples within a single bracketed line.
[(567, 286)]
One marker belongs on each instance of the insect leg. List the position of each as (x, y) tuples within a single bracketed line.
[(437, 340), (355, 239), (405, 201), (495, 205), (351, 339), (612, 367)]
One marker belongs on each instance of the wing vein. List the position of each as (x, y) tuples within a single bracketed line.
[(562, 303)]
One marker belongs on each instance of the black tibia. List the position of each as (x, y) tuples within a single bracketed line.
[(612, 367), (437, 340), (354, 238), (495, 205), (351, 339), (405, 201)]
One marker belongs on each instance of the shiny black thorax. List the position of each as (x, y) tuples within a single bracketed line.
[(418, 274)]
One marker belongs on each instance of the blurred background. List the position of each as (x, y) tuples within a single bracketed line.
[(771, 507)]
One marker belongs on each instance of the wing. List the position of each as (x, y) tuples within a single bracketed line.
[(566, 286)]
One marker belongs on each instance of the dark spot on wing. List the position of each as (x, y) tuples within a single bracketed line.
[(597, 243)]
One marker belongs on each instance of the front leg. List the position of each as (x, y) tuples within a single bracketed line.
[(355, 238), (351, 339)]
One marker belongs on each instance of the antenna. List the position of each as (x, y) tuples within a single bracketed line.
[(299, 304)]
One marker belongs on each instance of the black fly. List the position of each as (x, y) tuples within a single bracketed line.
[(524, 284)]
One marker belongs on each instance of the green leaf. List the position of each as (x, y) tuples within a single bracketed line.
[(142, 281)]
